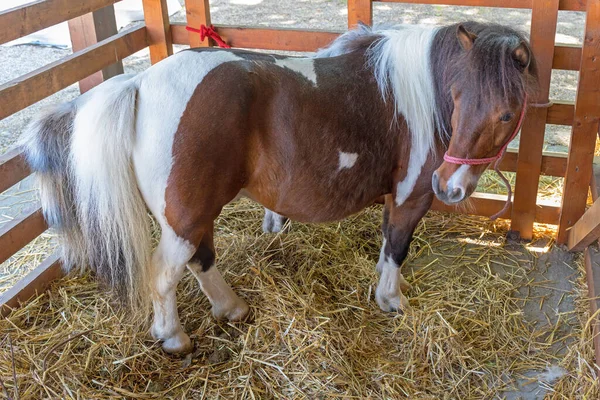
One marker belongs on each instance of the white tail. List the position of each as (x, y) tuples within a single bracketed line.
[(106, 226)]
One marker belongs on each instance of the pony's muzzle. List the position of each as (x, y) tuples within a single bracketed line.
[(451, 191)]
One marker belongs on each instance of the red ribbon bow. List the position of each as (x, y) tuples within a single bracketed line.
[(210, 32)]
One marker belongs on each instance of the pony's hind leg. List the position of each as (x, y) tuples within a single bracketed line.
[(225, 303), (168, 266)]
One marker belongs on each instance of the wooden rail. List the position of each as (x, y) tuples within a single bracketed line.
[(14, 235), (488, 204), (263, 38), (22, 20), (13, 169), (566, 5), (34, 282), (43, 82)]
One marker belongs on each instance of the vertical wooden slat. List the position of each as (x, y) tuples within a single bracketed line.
[(159, 29), (88, 30), (360, 11), (585, 125), (543, 30), (197, 14)]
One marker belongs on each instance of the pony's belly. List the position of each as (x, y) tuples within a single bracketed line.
[(310, 206)]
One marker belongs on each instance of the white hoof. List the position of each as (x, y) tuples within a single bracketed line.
[(392, 303), (235, 311), (179, 343)]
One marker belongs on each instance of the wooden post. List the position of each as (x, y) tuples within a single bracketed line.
[(88, 30), (543, 30), (156, 16), (585, 126), (197, 14), (360, 11)]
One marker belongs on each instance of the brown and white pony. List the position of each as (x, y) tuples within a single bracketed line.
[(313, 139)]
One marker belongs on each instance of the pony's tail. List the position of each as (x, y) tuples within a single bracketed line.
[(82, 155)]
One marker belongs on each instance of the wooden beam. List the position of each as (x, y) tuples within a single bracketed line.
[(33, 283), (22, 20), (156, 16), (13, 169), (468, 3), (261, 38), (586, 230), (197, 13), (561, 113), (14, 235), (41, 83), (553, 164), (360, 11), (543, 30), (88, 30), (585, 126), (567, 57), (486, 204), (567, 5), (592, 274)]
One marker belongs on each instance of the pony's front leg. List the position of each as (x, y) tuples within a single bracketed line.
[(399, 224), (168, 262), (273, 222)]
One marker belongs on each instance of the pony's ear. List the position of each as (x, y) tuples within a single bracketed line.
[(465, 38), (522, 55)]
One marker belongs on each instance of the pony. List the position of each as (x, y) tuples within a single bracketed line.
[(403, 112)]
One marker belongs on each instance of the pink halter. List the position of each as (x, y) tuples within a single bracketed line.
[(497, 158)]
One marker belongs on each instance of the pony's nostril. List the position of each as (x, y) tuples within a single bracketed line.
[(435, 182), (456, 194)]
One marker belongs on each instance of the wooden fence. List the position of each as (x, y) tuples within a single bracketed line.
[(98, 49)]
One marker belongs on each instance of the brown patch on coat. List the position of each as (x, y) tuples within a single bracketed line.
[(272, 132)]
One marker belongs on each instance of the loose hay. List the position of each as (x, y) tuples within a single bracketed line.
[(316, 330)]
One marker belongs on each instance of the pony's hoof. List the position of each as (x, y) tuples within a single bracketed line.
[(392, 303), (179, 343), (237, 311), (272, 222)]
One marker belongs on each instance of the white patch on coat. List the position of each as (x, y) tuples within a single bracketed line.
[(168, 264), (272, 222), (381, 260), (347, 160), (303, 66), (460, 177), (389, 295), (401, 64)]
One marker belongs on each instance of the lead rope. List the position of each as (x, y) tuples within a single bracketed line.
[(210, 32), (503, 177)]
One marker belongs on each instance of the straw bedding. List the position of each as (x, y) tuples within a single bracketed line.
[(315, 331)]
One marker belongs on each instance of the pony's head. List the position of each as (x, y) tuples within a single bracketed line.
[(487, 83)]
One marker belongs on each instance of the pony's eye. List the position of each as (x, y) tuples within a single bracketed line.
[(507, 117)]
